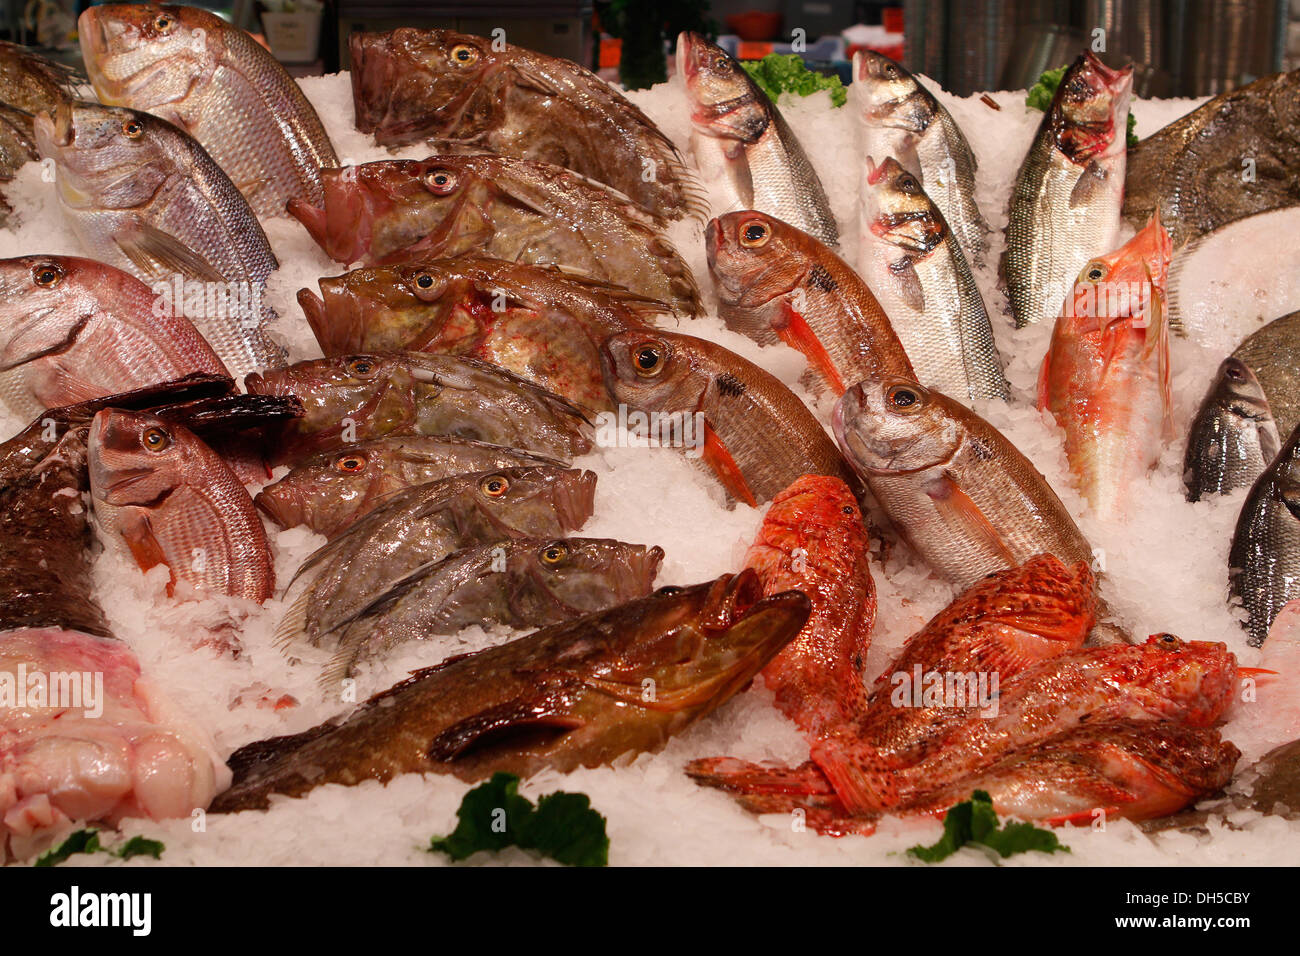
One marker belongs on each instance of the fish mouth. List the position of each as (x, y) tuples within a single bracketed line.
[(313, 307), (55, 129), (284, 510), (713, 242), (1115, 80), (688, 47), (874, 172)]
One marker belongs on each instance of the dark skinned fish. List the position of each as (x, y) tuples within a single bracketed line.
[(571, 695), (1272, 354), (1233, 437)]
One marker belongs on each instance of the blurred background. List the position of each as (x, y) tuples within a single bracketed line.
[(1180, 47)]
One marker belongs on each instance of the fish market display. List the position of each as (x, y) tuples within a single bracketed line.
[(1106, 377), (1272, 355), (514, 707), (776, 283), (1192, 171), (740, 137), (914, 263), (329, 491), (900, 118), (73, 329), (1233, 437), (539, 323), (963, 496), (463, 92), (1065, 207), (518, 210), (144, 196), (29, 84), (357, 397), (217, 83), (753, 433), (174, 501)]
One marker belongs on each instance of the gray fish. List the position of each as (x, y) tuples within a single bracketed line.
[(1233, 437), (144, 196), (737, 127), (1264, 561), (1273, 354)]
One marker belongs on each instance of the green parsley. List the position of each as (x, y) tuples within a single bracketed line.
[(975, 822), (87, 841), (779, 73)]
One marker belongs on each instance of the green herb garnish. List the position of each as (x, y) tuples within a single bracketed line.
[(493, 816), (1041, 94), (87, 841), (975, 822), (779, 73)]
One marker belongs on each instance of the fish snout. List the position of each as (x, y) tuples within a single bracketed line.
[(282, 505)]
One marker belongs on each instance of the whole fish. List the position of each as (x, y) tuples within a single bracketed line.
[(357, 397), (899, 117), (472, 93), (1233, 437), (329, 491), (914, 263), (427, 523), (751, 431), (736, 127), (1106, 375), (215, 82), (174, 501), (776, 283), (72, 329), (527, 582), (1264, 561), (522, 211), (1193, 171), (1270, 352), (570, 695), (144, 196), (537, 322), (1065, 206), (955, 488)]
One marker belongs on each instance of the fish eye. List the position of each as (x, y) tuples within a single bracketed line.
[(442, 182), (464, 54), (554, 553), (163, 22), (648, 361), (350, 464), (891, 71), (47, 274), (133, 128), (424, 280), (720, 63), (155, 439), (849, 510), (1170, 641), (1232, 371), (903, 397), (754, 233), (494, 486), (1095, 272), (669, 589), (361, 367), (908, 184)]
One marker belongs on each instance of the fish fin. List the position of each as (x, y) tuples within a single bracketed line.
[(742, 776), (137, 531), (1044, 378), (859, 789), (153, 251), (725, 468), (518, 723), (907, 284), (294, 622), (958, 510), (1090, 182), (797, 334)]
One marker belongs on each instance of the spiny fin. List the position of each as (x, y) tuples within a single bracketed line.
[(294, 623), (154, 251), (724, 466), (959, 511), (1090, 182)]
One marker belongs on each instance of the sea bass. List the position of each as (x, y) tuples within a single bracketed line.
[(357, 397), (776, 283), (1065, 206), (515, 708), (752, 432), (737, 128), (1106, 375), (72, 329), (540, 323), (955, 488), (465, 92), (215, 82), (522, 211), (899, 117), (142, 195), (915, 265), (329, 491), (1233, 437), (174, 501)]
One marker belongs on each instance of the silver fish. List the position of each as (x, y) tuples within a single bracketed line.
[(1273, 354), (1233, 437)]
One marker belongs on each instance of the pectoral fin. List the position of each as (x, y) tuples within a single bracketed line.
[(797, 334), (137, 531), (1089, 185), (907, 283), (515, 725), (718, 458), (155, 252), (962, 514)]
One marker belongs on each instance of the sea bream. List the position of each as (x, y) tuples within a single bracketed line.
[(899, 117), (570, 695), (73, 329), (470, 93), (1065, 206), (215, 82), (1233, 437), (143, 195), (778, 284), (913, 262), (1272, 353), (738, 132)]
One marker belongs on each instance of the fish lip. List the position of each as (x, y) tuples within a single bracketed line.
[(1114, 79), (687, 43), (712, 242), (874, 172), (55, 129), (282, 512)]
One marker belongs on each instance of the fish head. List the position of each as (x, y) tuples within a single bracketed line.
[(330, 389), (365, 306), (138, 459), (755, 258), (107, 157), (1237, 390), (45, 300), (895, 208), (1090, 109), (895, 426), (821, 502), (652, 371), (539, 501), (1125, 286), (888, 95), (1197, 678), (334, 481), (724, 101), (147, 55), (584, 575)]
